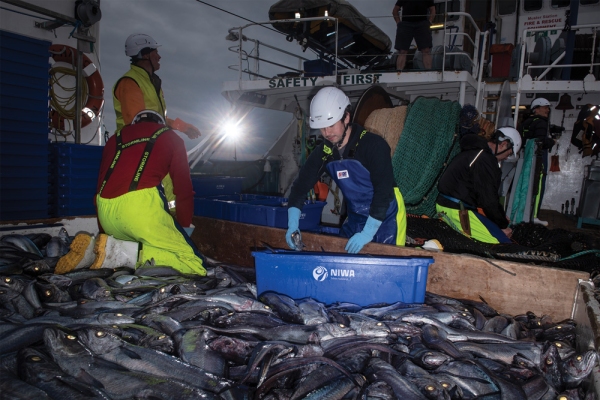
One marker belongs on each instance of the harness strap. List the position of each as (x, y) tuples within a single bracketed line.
[(327, 152), (122, 146)]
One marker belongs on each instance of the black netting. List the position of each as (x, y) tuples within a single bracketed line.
[(532, 244)]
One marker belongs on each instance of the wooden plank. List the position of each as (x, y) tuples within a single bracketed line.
[(510, 287)]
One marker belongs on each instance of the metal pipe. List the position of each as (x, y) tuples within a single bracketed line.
[(539, 78), (570, 42), (78, 94), (480, 72), (593, 50), (41, 10)]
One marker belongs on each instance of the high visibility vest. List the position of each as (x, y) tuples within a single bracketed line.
[(153, 101)]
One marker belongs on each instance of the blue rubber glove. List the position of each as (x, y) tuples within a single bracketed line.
[(358, 240), (293, 221)]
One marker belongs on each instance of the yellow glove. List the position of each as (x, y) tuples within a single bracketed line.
[(190, 130)]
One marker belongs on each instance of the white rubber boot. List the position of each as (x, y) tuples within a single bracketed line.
[(113, 253), (540, 222), (81, 254)]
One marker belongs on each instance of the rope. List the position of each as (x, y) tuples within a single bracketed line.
[(581, 253), (427, 144), (65, 105)]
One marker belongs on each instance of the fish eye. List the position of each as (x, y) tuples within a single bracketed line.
[(71, 337), (342, 325), (444, 384), (36, 268), (48, 293), (464, 314), (559, 345), (549, 361), (100, 334), (539, 323), (579, 358), (144, 316), (161, 337), (521, 363), (558, 327), (35, 358), (115, 326), (379, 324), (7, 280), (266, 308), (563, 398), (119, 314), (162, 290), (429, 388), (408, 338), (128, 283), (83, 302)]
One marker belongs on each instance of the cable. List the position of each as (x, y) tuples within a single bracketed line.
[(59, 103), (236, 15)]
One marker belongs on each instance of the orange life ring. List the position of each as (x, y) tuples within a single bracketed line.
[(95, 100)]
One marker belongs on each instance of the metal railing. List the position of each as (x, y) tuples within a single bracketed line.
[(237, 34), (554, 64), (241, 38)]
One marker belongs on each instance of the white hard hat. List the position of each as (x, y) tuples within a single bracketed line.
[(515, 137), (148, 116), (539, 102), (137, 42), (327, 107)]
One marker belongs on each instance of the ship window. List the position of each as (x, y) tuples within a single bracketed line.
[(588, 1), (440, 10), (507, 7), (532, 5), (560, 3)]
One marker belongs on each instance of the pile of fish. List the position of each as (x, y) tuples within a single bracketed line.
[(153, 333)]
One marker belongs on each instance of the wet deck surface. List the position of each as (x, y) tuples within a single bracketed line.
[(557, 220)]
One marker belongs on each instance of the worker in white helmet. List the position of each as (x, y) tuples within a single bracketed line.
[(468, 189), (140, 89), (360, 164), (537, 128)]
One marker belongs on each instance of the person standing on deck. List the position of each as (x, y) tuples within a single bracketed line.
[(132, 207), (141, 89), (414, 23), (536, 127), (360, 164), (468, 189)]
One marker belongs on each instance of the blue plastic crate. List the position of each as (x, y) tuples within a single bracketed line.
[(257, 210), (333, 277), (207, 186), (277, 216)]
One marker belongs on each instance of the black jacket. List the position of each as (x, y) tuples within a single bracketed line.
[(473, 177), (536, 127), (373, 153)]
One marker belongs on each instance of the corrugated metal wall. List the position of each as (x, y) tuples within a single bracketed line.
[(23, 127)]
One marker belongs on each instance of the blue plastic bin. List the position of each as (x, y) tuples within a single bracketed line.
[(333, 277), (257, 210), (207, 186)]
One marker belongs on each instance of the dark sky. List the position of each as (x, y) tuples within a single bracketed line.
[(195, 58)]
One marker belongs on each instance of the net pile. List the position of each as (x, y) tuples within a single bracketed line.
[(533, 244), (427, 144)]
